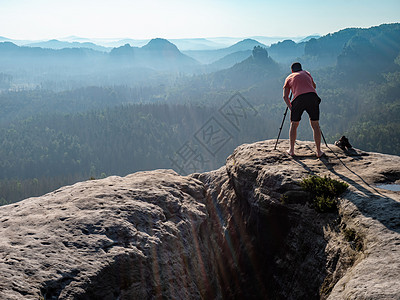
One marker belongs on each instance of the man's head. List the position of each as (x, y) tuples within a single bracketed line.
[(296, 67)]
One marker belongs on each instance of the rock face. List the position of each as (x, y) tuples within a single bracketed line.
[(353, 254), (245, 231), (135, 237)]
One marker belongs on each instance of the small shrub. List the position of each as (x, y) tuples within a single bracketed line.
[(325, 204), (3, 201), (324, 191), (353, 238), (349, 234), (283, 199)]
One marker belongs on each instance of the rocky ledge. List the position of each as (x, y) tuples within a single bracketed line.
[(245, 231)]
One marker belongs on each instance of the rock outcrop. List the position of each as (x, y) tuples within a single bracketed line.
[(244, 231), (136, 237)]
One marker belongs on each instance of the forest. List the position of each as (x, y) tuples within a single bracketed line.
[(57, 129)]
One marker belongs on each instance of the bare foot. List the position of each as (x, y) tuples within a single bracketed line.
[(291, 153), (320, 154)]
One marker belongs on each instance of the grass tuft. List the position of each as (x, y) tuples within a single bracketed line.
[(324, 192)]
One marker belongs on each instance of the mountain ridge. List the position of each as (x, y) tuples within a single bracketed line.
[(156, 54), (56, 44), (210, 56)]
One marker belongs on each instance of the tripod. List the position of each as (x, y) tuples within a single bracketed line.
[(324, 140), (280, 129)]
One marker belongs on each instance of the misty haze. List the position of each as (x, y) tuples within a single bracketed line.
[(73, 110), (222, 210)]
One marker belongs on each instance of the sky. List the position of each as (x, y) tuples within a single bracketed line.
[(145, 19)]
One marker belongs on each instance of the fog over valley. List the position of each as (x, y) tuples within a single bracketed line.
[(77, 108)]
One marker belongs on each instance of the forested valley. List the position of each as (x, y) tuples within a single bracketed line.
[(57, 130)]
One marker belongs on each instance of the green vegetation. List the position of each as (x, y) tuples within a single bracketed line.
[(324, 191), (44, 152), (353, 238)]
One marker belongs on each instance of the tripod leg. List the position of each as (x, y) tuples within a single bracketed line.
[(280, 129), (323, 137)]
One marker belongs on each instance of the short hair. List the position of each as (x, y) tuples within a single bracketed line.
[(296, 67)]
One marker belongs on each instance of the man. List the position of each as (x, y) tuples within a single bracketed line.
[(305, 98)]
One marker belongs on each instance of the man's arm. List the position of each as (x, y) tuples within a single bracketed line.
[(286, 92)]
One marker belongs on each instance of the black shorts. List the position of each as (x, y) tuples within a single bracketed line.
[(308, 102)]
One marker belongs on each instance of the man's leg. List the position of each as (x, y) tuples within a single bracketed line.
[(292, 136), (317, 136)]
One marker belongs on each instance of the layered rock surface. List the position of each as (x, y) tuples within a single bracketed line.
[(135, 237), (243, 231), (350, 255)]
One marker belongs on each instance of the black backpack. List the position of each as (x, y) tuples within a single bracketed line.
[(343, 143)]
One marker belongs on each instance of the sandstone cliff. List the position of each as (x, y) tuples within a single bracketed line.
[(224, 234)]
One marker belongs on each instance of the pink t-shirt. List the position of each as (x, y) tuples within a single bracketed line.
[(300, 83)]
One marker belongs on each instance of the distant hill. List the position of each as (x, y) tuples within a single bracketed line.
[(210, 56), (123, 52), (157, 54), (326, 49), (230, 60), (257, 69), (24, 67), (286, 51), (161, 46), (17, 42), (56, 44), (243, 45), (307, 38), (162, 54), (114, 43), (196, 44), (348, 50), (10, 51), (182, 43), (362, 57), (266, 40)]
